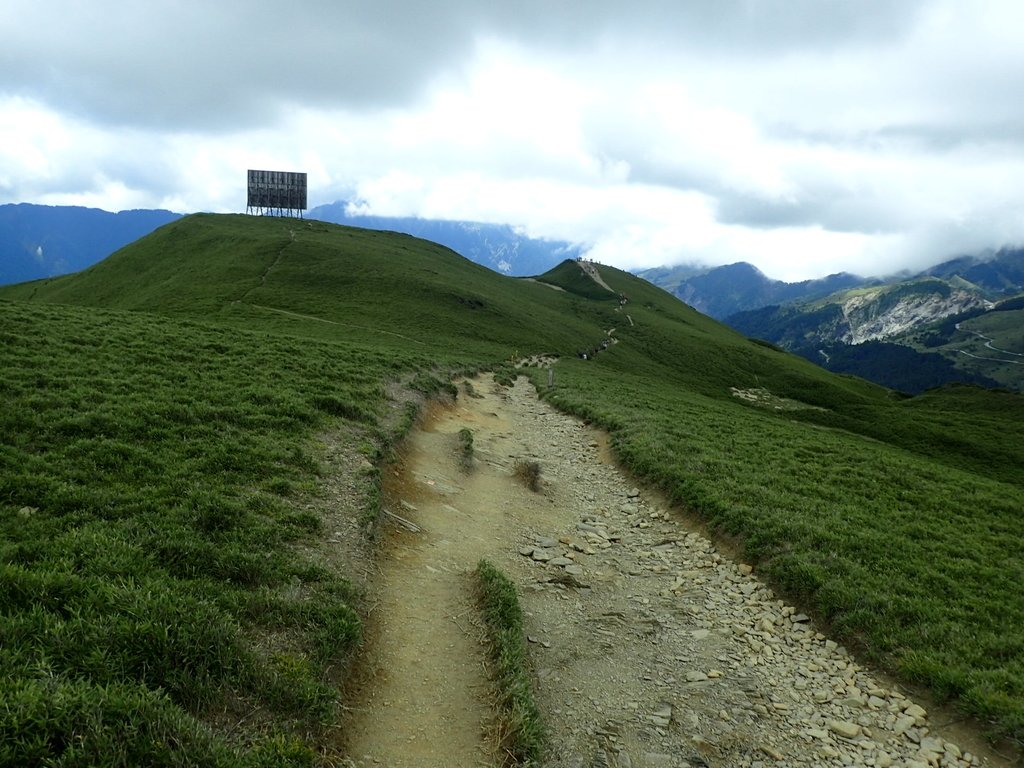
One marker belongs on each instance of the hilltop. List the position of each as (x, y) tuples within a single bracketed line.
[(197, 425), (38, 241), (388, 290)]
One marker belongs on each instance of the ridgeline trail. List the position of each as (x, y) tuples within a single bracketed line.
[(650, 646)]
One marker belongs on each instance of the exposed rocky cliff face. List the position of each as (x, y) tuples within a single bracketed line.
[(874, 315), (856, 316), (864, 331)]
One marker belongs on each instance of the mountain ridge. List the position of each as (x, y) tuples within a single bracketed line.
[(39, 241), (725, 290), (739, 287)]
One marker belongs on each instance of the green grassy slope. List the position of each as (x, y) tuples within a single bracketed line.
[(897, 520), (381, 288), (157, 573)]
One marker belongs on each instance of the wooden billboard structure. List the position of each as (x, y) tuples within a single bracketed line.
[(276, 193)]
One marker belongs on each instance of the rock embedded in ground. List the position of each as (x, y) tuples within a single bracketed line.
[(845, 729)]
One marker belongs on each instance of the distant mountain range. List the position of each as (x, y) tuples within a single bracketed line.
[(723, 291), (497, 246), (44, 241), (931, 329), (1001, 274)]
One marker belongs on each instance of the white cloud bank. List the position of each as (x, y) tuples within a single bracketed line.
[(804, 136)]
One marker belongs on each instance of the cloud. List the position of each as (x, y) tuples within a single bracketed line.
[(806, 136), (219, 66), (190, 64)]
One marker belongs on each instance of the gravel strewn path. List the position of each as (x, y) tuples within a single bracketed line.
[(651, 647)]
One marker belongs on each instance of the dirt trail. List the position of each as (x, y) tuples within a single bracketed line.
[(427, 696), (650, 646), (591, 271)]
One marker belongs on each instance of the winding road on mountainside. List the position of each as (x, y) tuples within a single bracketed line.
[(988, 345), (650, 646)]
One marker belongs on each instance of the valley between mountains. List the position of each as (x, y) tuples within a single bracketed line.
[(649, 644)]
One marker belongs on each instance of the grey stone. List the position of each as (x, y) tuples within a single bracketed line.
[(662, 716), (903, 724), (844, 728), (915, 711)]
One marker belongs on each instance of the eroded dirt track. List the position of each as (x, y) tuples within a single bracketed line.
[(650, 647), (426, 697)]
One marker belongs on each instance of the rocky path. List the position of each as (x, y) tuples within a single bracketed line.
[(650, 646)]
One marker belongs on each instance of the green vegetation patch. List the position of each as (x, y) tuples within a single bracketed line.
[(148, 570), (520, 730), (383, 290)]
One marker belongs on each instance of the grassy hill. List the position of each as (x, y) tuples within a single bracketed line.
[(379, 288), (173, 413)]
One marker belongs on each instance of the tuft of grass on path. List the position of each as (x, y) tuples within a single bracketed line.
[(465, 437), (520, 730), (528, 471)]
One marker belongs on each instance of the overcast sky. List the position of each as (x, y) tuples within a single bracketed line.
[(804, 136)]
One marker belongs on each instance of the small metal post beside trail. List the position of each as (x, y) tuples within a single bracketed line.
[(551, 377)]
